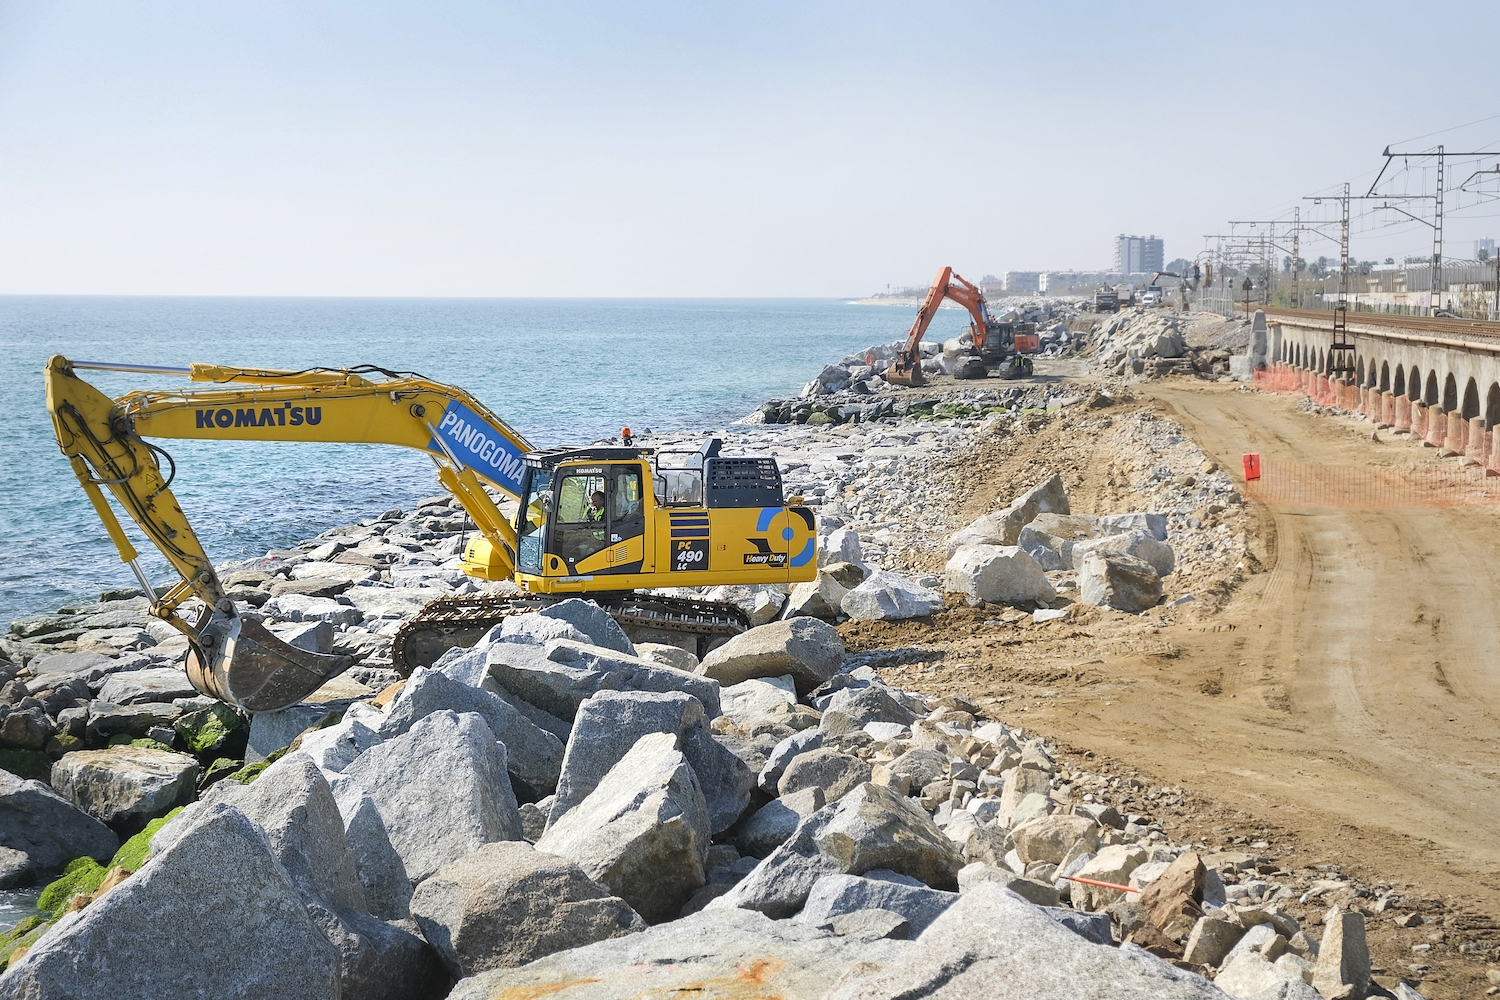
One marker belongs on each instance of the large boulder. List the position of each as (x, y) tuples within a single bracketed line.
[(1343, 956), (1003, 527), (992, 936), (126, 785), (871, 827), (887, 596), (593, 621), (996, 574), (839, 895), (713, 955), (643, 831), (773, 824), (1140, 544), (750, 701), (809, 650), (1112, 864), (49, 829), (441, 789), (508, 904), (851, 709), (611, 722), (533, 756), (1118, 581), (154, 684), (153, 934), (1154, 525), (563, 674), (1050, 538), (62, 669), (834, 774), (1052, 838), (379, 868)]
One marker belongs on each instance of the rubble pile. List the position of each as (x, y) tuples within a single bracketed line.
[(1153, 343)]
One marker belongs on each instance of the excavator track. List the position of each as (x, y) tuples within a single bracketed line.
[(449, 622)]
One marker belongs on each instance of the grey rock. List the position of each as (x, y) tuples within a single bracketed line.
[(271, 731), (1113, 864), (773, 824), (922, 766), (750, 701), (49, 829), (783, 754), (1092, 927), (379, 960), (379, 868), (992, 936), (835, 774), (1157, 554), (996, 574), (807, 649), (1343, 956), (1296, 989), (1053, 838), (561, 676), (887, 596), (609, 725), (314, 637), (593, 621), (1154, 525), (126, 785), (870, 925), (668, 656), (1118, 581), (508, 904), (643, 831), (16, 868), (1211, 939), (63, 668), (161, 684), (106, 720), (1049, 539), (1003, 527), (869, 828), (534, 630), (1030, 890), (837, 895), (441, 790), (712, 954), (851, 709), (26, 728), (260, 944), (534, 756)]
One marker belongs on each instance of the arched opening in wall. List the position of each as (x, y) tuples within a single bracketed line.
[(1471, 401), (1492, 407), (1385, 376), (1301, 359), (1359, 372), (1399, 386), (1450, 394), (1430, 396), (1321, 369)]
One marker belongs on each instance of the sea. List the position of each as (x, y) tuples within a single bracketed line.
[(561, 371)]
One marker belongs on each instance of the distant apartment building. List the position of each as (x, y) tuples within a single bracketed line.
[(1021, 282), (1138, 254), (1484, 249)]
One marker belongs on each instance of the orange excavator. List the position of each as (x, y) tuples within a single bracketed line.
[(906, 369)]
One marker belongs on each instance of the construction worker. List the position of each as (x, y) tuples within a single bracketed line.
[(595, 512)]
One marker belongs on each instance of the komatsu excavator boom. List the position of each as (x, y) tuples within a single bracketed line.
[(707, 522)]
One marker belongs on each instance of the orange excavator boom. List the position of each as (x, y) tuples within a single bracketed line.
[(906, 369)]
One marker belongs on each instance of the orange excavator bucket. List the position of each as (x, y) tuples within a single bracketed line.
[(239, 660)]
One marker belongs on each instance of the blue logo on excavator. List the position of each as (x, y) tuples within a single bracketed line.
[(763, 523), (479, 444)]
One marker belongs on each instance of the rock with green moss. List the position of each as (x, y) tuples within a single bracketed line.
[(134, 852), (126, 786), (221, 768), (209, 729), (42, 824), (23, 935), (34, 765), (81, 878)]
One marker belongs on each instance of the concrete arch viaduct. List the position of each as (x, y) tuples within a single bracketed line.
[(1443, 386)]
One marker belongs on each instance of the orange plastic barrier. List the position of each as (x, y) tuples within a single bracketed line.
[(1370, 487), (1437, 426)]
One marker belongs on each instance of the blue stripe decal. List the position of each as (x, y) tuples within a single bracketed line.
[(766, 514), (689, 532), (805, 556), (691, 522)]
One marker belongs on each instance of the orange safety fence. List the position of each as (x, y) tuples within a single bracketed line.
[(1277, 379), (1367, 487)]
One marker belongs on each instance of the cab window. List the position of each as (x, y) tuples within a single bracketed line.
[(574, 496), (627, 499)]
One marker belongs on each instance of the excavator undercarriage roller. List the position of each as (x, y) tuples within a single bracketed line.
[(462, 621)]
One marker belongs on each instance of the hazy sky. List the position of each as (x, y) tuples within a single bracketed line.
[(376, 148)]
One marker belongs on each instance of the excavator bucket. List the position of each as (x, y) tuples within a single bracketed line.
[(902, 372), (238, 660)]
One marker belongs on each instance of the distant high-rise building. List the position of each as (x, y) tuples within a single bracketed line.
[(1484, 249), (1138, 254), (1021, 282)]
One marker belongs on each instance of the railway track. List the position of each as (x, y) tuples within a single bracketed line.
[(1457, 328)]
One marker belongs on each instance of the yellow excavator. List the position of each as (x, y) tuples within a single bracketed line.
[(608, 523)]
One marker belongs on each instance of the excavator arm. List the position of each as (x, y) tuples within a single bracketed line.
[(232, 657), (906, 369)]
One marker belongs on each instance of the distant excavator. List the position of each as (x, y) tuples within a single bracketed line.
[(906, 368), (603, 522)]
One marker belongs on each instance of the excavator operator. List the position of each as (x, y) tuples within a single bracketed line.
[(595, 512)]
